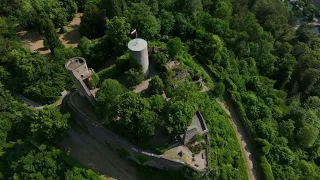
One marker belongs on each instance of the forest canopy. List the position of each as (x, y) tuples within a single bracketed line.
[(263, 60)]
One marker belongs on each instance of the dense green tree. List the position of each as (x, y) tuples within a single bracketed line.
[(61, 55), (157, 103), (287, 128), (156, 85), (179, 116), (166, 22), (190, 7), (49, 124), (134, 77), (39, 165), (51, 39), (92, 22), (307, 135), (32, 75), (146, 124), (10, 7), (81, 4), (35, 13), (136, 117), (160, 59), (175, 47), (219, 89), (108, 98), (71, 8), (117, 30), (142, 19), (114, 7), (85, 46), (304, 33), (181, 26), (222, 10), (264, 145)]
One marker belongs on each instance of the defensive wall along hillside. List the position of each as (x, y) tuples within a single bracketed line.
[(115, 142)]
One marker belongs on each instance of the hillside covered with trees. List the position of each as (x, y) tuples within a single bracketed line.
[(269, 69)]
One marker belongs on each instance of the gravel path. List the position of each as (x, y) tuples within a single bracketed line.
[(244, 138)]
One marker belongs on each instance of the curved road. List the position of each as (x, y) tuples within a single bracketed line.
[(89, 150), (245, 140)]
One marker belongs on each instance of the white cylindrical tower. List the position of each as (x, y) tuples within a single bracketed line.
[(139, 51)]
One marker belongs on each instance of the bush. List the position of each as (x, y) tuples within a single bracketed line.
[(134, 77), (156, 85), (197, 148)]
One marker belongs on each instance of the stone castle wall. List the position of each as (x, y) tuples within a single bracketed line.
[(117, 144)]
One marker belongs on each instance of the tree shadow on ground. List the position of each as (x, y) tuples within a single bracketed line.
[(73, 36)]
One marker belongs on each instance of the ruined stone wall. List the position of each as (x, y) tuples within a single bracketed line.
[(118, 144)]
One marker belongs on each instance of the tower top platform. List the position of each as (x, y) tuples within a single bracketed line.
[(137, 44), (74, 63)]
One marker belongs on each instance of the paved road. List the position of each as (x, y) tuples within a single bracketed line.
[(248, 150), (28, 101), (35, 105), (121, 168), (88, 151)]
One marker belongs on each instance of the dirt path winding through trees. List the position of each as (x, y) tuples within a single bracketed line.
[(248, 150)]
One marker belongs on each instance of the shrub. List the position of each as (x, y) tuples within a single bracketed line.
[(197, 148), (156, 85)]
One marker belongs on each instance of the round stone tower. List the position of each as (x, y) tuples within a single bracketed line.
[(77, 68), (139, 51), (81, 76)]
